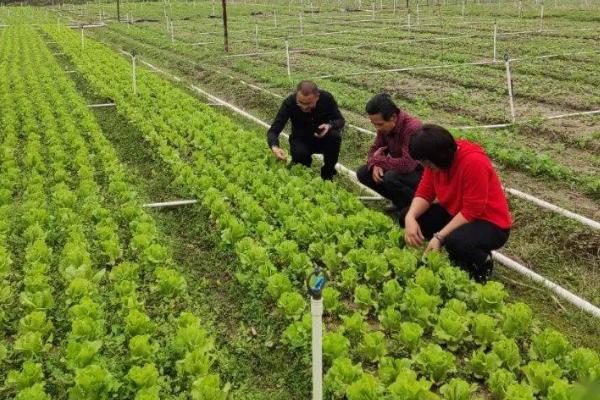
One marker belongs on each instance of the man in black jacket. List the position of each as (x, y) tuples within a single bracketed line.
[(316, 127)]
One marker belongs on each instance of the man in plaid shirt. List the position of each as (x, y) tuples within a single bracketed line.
[(390, 170)]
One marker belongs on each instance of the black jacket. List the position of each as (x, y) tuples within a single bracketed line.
[(305, 125)]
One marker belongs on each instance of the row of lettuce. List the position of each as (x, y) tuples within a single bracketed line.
[(93, 306), (397, 328)]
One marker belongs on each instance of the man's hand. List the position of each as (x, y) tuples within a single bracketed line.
[(323, 130), (279, 153), (377, 174), (412, 232), (434, 245), (380, 151)]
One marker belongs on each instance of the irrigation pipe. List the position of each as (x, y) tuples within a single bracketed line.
[(174, 203), (456, 65), (549, 117), (559, 210), (572, 298)]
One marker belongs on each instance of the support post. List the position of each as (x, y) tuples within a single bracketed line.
[(82, 43), (542, 18), (225, 33), (133, 72), (510, 87), (119, 10)]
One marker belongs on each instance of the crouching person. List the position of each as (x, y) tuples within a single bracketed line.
[(316, 128), (390, 170), (459, 203)]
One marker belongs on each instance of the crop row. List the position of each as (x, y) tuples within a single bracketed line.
[(396, 328), (101, 309)]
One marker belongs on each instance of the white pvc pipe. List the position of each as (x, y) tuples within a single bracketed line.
[(101, 105), (174, 203), (559, 210), (423, 67), (510, 91), (287, 53), (572, 298), (316, 310)]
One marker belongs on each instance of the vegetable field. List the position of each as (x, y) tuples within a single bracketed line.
[(106, 297)]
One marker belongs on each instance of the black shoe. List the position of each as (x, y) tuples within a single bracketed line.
[(483, 273)]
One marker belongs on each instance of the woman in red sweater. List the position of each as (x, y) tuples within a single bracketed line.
[(459, 203)]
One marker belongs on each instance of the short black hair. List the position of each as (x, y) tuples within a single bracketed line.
[(307, 88), (383, 104), (433, 143)]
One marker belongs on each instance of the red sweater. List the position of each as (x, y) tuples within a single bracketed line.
[(397, 157), (470, 187)]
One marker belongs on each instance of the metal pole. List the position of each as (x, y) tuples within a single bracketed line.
[(119, 10), (510, 87), (82, 44), (225, 34), (542, 18)]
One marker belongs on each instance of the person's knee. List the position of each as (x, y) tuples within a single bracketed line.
[(301, 154), (456, 246), (362, 174), (390, 176), (334, 136)]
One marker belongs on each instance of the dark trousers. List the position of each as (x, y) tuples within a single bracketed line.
[(399, 188), (469, 245), (329, 145)]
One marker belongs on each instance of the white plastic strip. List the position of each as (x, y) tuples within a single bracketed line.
[(549, 117), (174, 203), (441, 66), (424, 67), (572, 298), (559, 210), (101, 105)]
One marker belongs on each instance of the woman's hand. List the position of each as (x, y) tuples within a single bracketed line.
[(412, 232), (434, 245)]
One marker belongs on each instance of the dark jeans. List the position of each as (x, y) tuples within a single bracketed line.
[(399, 188), (329, 145), (469, 245)]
